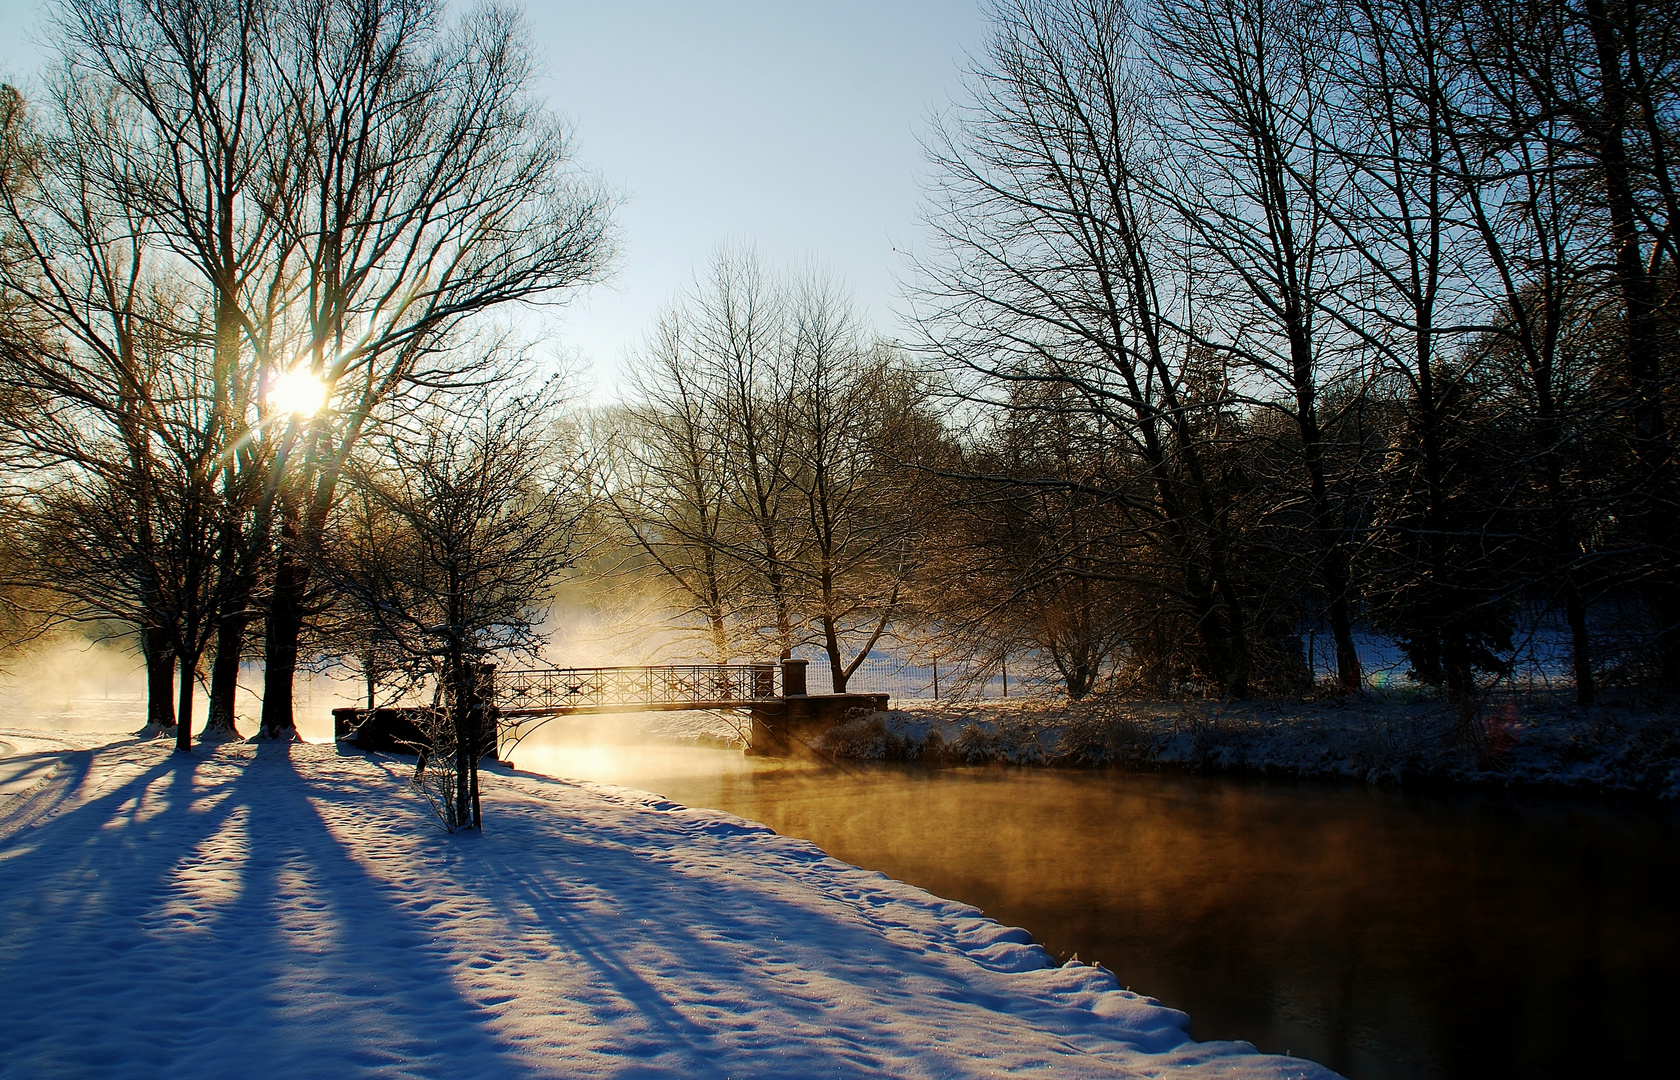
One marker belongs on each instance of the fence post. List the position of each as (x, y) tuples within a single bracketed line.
[(936, 679), (1005, 674)]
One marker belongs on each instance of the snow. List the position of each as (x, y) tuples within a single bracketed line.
[(27, 760), (21, 771), (290, 910)]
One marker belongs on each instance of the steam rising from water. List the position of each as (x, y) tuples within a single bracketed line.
[(72, 684), (627, 749), (76, 685), (589, 627)]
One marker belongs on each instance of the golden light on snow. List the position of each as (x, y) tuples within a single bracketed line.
[(298, 392)]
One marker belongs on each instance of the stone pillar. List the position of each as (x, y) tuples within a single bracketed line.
[(793, 678)]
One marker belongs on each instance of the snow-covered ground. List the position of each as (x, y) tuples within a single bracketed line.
[(22, 769), (273, 910), (1531, 739)]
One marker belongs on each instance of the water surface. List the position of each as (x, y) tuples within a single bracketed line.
[(1384, 934)]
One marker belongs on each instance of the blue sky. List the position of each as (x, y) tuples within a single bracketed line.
[(791, 125)]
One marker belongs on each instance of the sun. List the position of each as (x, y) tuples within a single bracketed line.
[(298, 392)]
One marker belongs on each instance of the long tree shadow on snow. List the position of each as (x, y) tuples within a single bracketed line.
[(350, 977), (83, 886), (200, 917), (532, 872)]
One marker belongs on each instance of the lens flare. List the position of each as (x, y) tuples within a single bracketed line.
[(298, 392)]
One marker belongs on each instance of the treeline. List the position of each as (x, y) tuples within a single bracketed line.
[(250, 386), (1354, 310), (758, 479), (1234, 317)]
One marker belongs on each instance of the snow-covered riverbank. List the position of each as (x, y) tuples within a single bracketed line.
[(1530, 741), (291, 911)]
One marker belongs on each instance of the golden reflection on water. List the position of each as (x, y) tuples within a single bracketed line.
[(1385, 935)]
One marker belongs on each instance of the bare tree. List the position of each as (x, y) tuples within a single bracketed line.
[(206, 154), (1020, 564), (761, 475), (114, 409), (1248, 86), (1413, 296), (1584, 95), (462, 526), (23, 334), (1053, 264), (673, 483), (853, 413), (1524, 204), (435, 188), (354, 183), (744, 345)]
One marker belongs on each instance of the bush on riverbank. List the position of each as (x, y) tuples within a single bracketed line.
[(1529, 740)]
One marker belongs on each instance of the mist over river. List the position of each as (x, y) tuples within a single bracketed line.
[(1382, 933)]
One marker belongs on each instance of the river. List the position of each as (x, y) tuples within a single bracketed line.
[(1382, 933)]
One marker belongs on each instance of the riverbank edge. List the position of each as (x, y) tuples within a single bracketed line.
[(1534, 745)]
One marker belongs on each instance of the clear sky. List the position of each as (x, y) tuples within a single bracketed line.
[(790, 124)]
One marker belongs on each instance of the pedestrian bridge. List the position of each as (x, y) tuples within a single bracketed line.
[(784, 718), (571, 691)]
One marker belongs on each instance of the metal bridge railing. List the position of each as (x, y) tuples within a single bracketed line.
[(552, 689)]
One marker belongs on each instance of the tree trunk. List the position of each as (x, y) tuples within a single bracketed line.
[(224, 678), (477, 815), (1238, 682), (836, 665), (778, 594), (160, 680), (464, 739), (230, 650), (1350, 674), (1215, 647), (1574, 604), (183, 712), (1078, 669), (1575, 611), (1219, 634), (463, 766), (1454, 641), (280, 647), (1654, 510), (716, 618), (1333, 560)]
